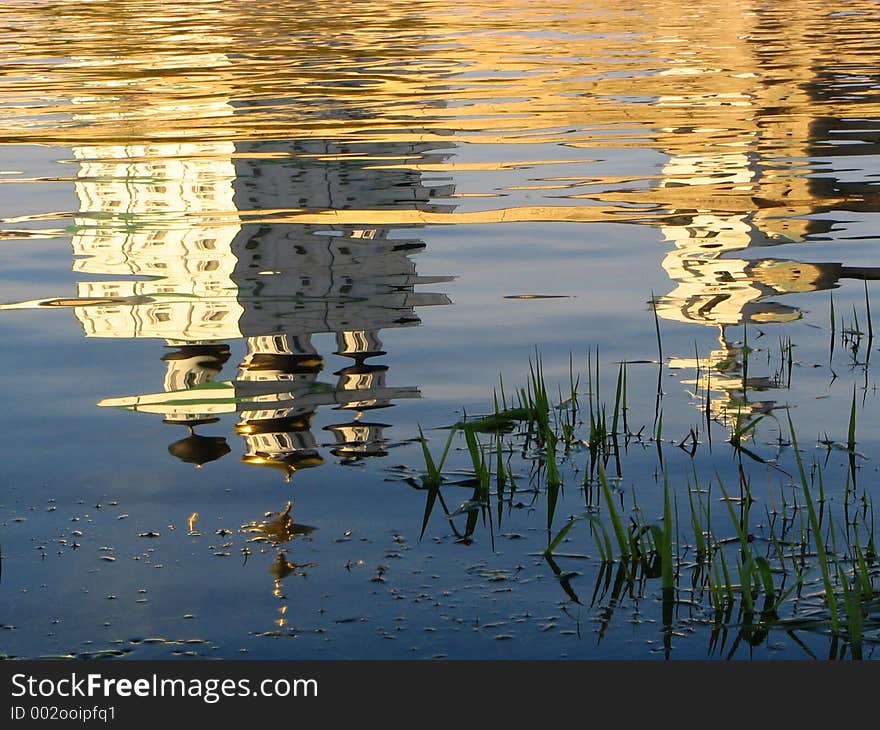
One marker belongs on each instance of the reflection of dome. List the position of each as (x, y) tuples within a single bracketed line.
[(198, 450), (360, 369), (209, 356), (279, 439), (287, 463)]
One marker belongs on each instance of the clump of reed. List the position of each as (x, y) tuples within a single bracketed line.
[(797, 566)]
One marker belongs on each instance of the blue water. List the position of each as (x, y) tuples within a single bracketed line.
[(226, 194)]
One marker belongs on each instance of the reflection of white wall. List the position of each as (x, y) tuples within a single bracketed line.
[(187, 321), (709, 288), (163, 210), (167, 211), (709, 169)]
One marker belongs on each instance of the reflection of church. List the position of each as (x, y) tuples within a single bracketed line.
[(168, 228), (716, 285), (735, 184), (281, 284)]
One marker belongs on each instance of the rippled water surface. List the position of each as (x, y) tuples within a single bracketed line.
[(287, 235)]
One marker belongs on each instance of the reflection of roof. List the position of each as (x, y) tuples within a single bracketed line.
[(215, 398)]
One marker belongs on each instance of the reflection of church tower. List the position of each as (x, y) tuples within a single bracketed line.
[(741, 129), (296, 280), (279, 438), (357, 439)]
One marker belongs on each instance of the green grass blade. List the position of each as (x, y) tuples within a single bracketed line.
[(666, 565), (623, 543), (830, 597), (560, 536)]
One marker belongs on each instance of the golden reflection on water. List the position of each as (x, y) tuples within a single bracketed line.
[(260, 171), (277, 530)]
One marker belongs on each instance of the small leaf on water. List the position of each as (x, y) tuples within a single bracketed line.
[(469, 506)]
